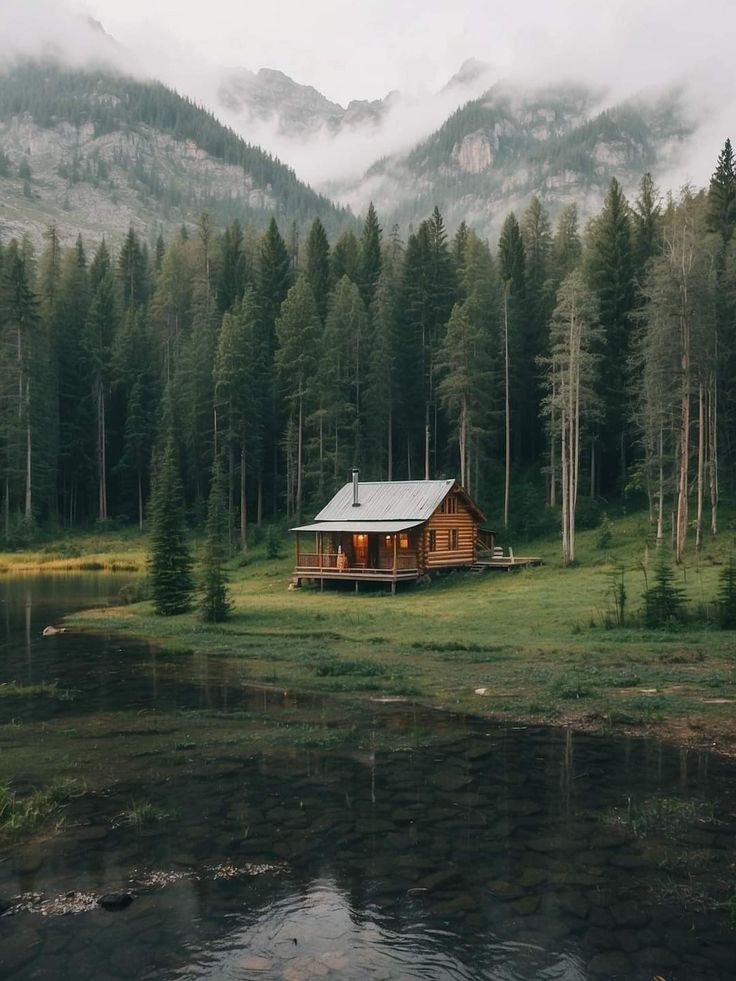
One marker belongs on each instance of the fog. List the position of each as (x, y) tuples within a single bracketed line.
[(363, 51)]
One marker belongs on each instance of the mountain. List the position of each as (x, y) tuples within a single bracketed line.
[(296, 110), (96, 151), (495, 152)]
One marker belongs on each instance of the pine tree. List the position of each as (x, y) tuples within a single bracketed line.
[(571, 385), (215, 605), (727, 595), (345, 259), (100, 329), (132, 272), (169, 561), (231, 278), (722, 194), (611, 275), (370, 256), (463, 365), (566, 245), (318, 266), (75, 389), (238, 401), (664, 600), (298, 330), (647, 222)]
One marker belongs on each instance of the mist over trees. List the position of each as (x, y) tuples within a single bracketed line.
[(560, 363)]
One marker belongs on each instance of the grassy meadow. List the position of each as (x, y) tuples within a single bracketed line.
[(538, 645)]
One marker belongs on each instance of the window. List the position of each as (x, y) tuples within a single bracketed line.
[(433, 541), (403, 541), (442, 508), (453, 539), (452, 505)]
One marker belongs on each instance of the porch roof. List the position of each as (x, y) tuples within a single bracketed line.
[(358, 527)]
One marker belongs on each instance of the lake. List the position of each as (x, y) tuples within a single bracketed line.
[(268, 835)]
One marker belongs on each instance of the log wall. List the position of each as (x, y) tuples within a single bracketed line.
[(442, 524)]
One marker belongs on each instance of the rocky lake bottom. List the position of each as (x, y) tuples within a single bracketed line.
[(256, 834)]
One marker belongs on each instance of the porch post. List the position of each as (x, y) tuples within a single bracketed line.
[(319, 549), (297, 550), (395, 559)]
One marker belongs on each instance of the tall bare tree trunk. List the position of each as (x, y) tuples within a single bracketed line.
[(140, 500), (507, 409), (390, 445), (660, 491), (684, 436), (701, 468), (713, 451), (101, 452), (243, 502), (299, 439)]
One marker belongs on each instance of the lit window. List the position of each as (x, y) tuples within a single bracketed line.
[(433, 541), (403, 541), (453, 539)]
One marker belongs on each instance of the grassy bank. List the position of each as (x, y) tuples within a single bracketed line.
[(526, 646), (118, 551)]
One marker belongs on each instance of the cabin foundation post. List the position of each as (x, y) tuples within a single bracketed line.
[(356, 585), (393, 587)]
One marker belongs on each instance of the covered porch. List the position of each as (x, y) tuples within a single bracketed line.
[(378, 551)]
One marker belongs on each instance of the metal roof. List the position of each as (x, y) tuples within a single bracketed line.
[(387, 500), (358, 526)]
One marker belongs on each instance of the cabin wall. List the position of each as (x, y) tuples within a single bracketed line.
[(442, 524)]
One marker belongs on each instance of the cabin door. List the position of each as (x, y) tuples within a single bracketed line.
[(360, 549)]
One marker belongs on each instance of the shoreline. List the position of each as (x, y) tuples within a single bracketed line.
[(533, 647)]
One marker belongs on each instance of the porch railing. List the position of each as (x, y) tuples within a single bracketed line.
[(311, 560)]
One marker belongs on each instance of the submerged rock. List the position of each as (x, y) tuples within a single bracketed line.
[(115, 900)]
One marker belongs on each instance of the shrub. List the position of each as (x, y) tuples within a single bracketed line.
[(273, 543), (605, 535)]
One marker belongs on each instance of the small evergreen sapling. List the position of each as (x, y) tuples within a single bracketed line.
[(169, 562), (727, 596), (215, 605), (664, 600)]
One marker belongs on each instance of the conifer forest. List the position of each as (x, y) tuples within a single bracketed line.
[(558, 368)]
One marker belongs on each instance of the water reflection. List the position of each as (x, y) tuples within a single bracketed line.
[(369, 841)]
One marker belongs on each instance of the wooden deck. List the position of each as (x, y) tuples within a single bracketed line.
[(354, 575), (507, 562)]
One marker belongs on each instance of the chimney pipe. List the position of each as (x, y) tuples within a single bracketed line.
[(356, 502)]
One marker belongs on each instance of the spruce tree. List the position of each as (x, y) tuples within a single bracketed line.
[(318, 266), (169, 561), (370, 256), (215, 604), (345, 259), (722, 194), (727, 596), (231, 278), (611, 276), (647, 221), (664, 600)]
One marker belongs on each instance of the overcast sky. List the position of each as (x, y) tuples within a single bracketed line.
[(364, 49)]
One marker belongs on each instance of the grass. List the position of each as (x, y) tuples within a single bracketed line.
[(101, 551), (21, 814), (142, 812), (47, 689), (540, 642), (665, 816)]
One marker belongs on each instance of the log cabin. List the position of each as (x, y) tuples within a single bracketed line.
[(391, 531)]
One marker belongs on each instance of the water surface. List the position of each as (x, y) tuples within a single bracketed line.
[(315, 837)]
